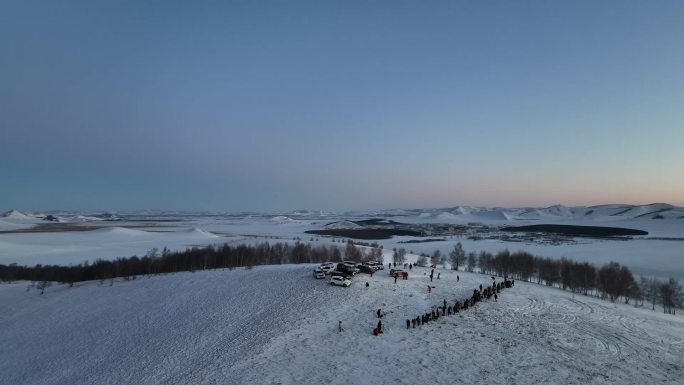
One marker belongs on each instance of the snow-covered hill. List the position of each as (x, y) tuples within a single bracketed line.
[(17, 215), (73, 247), (16, 220), (276, 324), (342, 225), (553, 213)]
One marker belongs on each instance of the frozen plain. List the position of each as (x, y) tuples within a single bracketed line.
[(276, 324)]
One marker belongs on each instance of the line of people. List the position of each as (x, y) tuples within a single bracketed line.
[(446, 309)]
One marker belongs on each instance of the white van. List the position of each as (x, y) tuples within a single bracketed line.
[(318, 274), (339, 281)]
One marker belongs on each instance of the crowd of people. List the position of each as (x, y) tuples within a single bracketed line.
[(447, 309)]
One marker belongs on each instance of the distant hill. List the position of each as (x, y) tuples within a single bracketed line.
[(610, 212)]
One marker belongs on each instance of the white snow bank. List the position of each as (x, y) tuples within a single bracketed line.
[(117, 231), (13, 225), (280, 218), (342, 225)]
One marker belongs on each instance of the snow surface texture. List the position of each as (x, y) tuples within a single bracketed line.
[(15, 220), (106, 243), (276, 324)]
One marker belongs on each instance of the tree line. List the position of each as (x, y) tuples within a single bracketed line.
[(612, 281), (210, 257)]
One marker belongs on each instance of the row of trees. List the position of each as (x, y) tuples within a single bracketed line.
[(612, 281), (211, 257)]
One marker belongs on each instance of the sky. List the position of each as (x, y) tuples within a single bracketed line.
[(339, 105)]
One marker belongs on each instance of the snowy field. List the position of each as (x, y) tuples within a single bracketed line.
[(276, 324), (74, 247)]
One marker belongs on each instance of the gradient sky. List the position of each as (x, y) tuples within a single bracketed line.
[(261, 105)]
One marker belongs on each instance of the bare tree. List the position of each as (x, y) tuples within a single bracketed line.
[(651, 289), (472, 261), (42, 285), (485, 262), (671, 295), (375, 254), (399, 256), (351, 252), (436, 258), (458, 256)]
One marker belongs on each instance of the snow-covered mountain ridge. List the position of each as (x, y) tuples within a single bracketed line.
[(607, 212)]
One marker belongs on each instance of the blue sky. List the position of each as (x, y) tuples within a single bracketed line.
[(339, 105)]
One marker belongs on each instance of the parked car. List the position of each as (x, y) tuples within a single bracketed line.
[(366, 269), (395, 272), (347, 268), (327, 267), (318, 274), (339, 281), (344, 275), (378, 265), (351, 263)]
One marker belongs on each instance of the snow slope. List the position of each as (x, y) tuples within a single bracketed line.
[(110, 242), (15, 220), (276, 324)]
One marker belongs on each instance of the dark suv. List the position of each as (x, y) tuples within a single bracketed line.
[(366, 269), (345, 268)]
